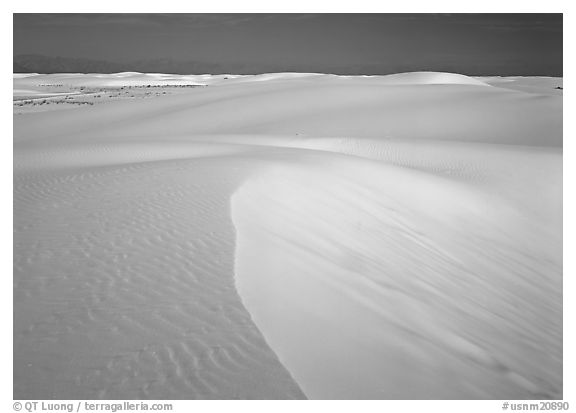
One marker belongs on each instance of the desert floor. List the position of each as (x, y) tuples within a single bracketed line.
[(287, 236)]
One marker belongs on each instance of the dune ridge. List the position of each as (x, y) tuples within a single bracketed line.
[(368, 290)]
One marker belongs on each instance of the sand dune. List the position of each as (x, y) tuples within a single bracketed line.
[(124, 288), (538, 85), (324, 107), (368, 289), (431, 78), (289, 236)]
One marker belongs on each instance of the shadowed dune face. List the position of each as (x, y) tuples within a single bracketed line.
[(368, 289), (288, 236)]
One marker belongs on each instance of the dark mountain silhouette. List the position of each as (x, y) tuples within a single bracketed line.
[(44, 64), (32, 63), (19, 68)]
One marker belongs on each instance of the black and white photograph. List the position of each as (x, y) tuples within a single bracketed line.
[(277, 206)]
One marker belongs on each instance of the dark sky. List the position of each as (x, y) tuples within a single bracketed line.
[(474, 44)]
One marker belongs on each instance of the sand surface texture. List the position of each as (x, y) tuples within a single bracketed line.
[(287, 236)]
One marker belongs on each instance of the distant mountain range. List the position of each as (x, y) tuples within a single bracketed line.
[(44, 64), (32, 63)]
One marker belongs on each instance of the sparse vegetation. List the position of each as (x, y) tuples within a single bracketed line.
[(85, 95)]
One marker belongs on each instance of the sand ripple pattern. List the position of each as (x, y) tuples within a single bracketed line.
[(130, 272)]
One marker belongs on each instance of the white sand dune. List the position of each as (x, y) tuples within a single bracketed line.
[(538, 85), (123, 79), (369, 289), (36, 94), (431, 78), (102, 80), (290, 236), (324, 107)]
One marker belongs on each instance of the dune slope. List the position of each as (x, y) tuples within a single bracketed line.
[(369, 289)]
